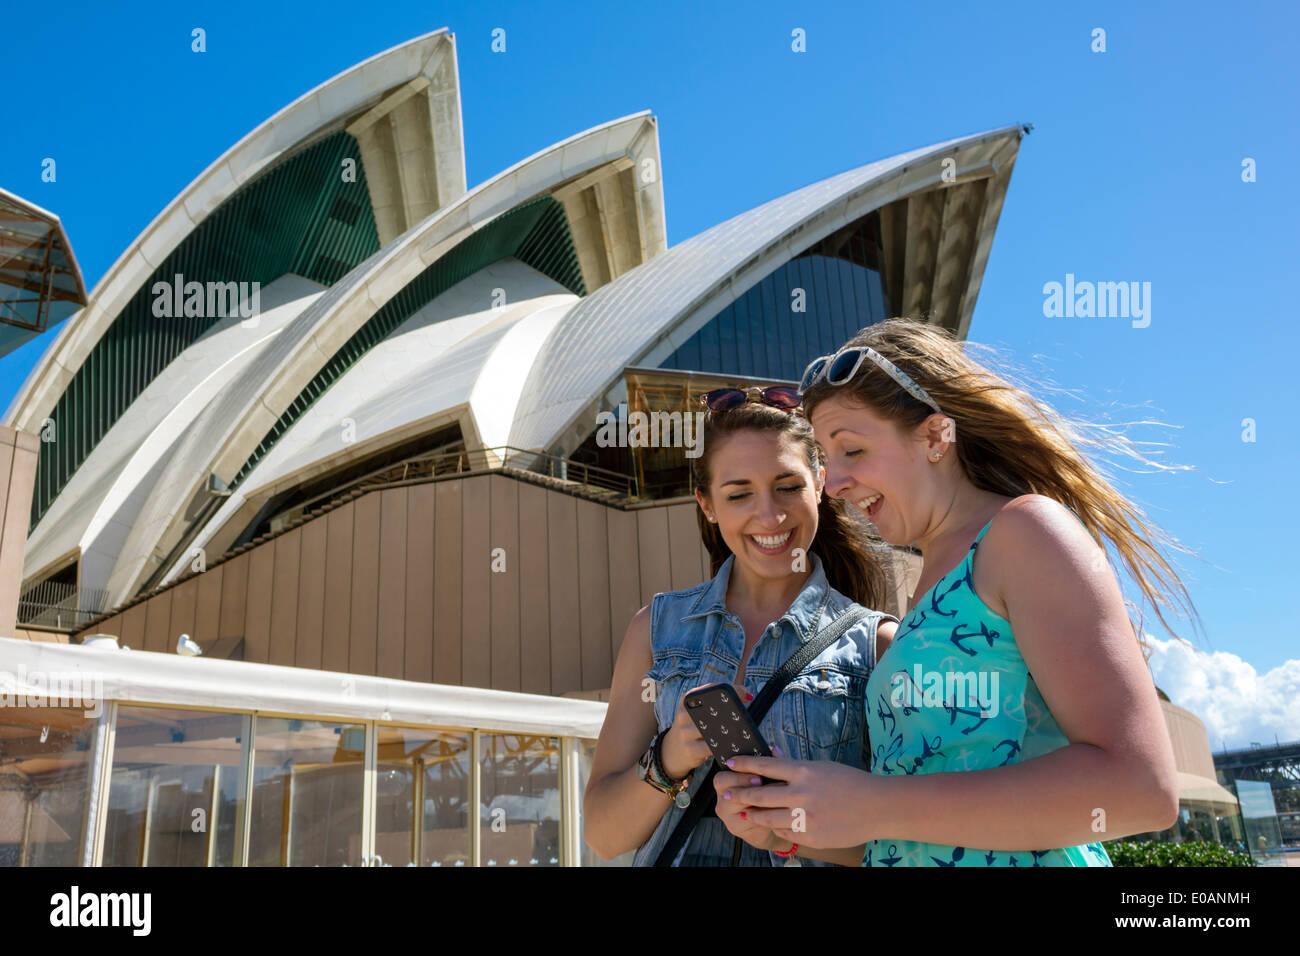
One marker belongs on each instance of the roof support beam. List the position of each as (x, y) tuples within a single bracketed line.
[(594, 206), (385, 107), (924, 220), (567, 190), (893, 240), (611, 267), (962, 206), (995, 193)]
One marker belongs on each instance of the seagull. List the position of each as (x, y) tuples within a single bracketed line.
[(187, 647)]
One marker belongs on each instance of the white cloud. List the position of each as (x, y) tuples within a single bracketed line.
[(1237, 704)]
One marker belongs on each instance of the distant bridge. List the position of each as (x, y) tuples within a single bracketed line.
[(1278, 763)]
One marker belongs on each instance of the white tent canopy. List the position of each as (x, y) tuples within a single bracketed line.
[(144, 677)]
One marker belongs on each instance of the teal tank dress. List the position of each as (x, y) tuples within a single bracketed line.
[(952, 693)]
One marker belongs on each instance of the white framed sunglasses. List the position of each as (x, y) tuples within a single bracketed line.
[(839, 367)]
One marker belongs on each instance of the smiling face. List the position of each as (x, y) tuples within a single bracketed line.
[(877, 467), (764, 495)]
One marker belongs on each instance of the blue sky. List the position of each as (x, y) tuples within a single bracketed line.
[(1132, 173)]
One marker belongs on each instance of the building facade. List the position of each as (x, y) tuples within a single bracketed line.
[(332, 419)]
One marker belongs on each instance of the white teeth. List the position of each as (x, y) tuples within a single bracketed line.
[(866, 503), (771, 541)]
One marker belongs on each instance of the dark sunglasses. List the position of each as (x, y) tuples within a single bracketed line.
[(725, 399)]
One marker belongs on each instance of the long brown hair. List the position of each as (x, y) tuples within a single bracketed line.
[(852, 567), (1012, 444)]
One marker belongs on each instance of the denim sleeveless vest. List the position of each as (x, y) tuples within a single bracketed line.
[(819, 716)]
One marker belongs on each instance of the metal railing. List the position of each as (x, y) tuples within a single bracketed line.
[(437, 464), (56, 604), (509, 457)]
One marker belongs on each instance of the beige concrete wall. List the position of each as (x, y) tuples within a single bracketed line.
[(17, 480), (1190, 741), (400, 582)]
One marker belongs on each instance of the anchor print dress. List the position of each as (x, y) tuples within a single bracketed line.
[(922, 721)]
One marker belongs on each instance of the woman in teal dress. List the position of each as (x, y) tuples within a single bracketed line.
[(1012, 721)]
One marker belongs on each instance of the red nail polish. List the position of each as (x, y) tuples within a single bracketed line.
[(748, 696)]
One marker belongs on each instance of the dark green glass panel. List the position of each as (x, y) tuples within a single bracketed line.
[(284, 221)]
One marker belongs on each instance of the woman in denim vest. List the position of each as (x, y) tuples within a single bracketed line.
[(787, 561)]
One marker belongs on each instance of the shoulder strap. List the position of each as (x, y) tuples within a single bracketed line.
[(801, 658), (706, 797)]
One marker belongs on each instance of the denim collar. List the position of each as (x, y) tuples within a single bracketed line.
[(804, 614)]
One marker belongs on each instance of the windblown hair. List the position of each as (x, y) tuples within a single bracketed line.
[(851, 566), (1010, 443)]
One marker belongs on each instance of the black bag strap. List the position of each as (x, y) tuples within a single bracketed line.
[(706, 797)]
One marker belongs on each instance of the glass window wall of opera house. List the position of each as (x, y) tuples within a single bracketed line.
[(111, 757)]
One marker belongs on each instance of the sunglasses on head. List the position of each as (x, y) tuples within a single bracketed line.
[(838, 367), (725, 399)]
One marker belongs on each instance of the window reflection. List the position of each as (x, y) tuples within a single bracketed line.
[(520, 800), (422, 801), (174, 792), (307, 787), (44, 782), (166, 766)]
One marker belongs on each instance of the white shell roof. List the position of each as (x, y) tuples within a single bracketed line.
[(299, 122), (97, 507), (643, 316), (451, 360), (227, 432)]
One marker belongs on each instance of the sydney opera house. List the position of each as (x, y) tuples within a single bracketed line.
[(320, 450)]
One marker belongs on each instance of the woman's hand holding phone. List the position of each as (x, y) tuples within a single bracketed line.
[(733, 789), (683, 749), (834, 803)]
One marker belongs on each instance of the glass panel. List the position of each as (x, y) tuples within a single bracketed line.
[(1259, 816), (422, 805), (811, 322), (866, 307), (166, 764), (770, 310), (784, 317), (759, 336), (44, 783), (586, 752), (857, 312), (878, 299), (307, 789), (838, 273), (823, 320), (710, 352), (750, 343), (727, 339), (520, 809)]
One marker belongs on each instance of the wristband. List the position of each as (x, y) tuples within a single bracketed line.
[(650, 770), (656, 763), (786, 854)]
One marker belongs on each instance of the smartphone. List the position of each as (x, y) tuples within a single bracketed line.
[(725, 724)]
